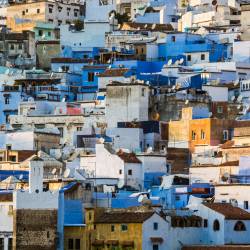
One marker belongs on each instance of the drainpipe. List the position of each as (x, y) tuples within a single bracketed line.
[(60, 221)]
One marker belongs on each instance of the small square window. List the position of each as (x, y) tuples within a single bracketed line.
[(220, 109), (124, 227), (37, 11), (173, 38), (112, 228), (130, 172), (155, 226), (189, 58), (49, 33), (202, 57), (23, 13), (40, 32), (50, 10), (120, 171)]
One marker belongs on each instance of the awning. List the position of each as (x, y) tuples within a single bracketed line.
[(98, 243), (127, 243), (156, 239), (112, 242)]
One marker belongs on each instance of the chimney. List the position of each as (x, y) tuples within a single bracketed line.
[(36, 175)]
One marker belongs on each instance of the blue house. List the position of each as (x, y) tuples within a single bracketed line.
[(192, 48), (90, 77)]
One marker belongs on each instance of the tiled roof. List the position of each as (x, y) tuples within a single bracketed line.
[(227, 144), (128, 157), (244, 131), (225, 247), (230, 163), (113, 72), (146, 26), (230, 212), (4, 197), (123, 217)]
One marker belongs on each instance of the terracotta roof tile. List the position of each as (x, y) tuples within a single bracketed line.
[(113, 72), (123, 217), (128, 157), (230, 212)]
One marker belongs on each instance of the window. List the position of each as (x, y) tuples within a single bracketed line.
[(142, 50), (120, 171), (20, 46), (225, 135), (245, 204), (77, 244), (155, 226), (79, 128), (51, 20), (7, 118), (50, 10), (12, 47), (7, 100), (75, 14), (10, 244), (90, 216), (202, 135), (216, 225), (2, 243), (193, 135), (130, 172), (173, 38), (124, 227), (40, 32), (239, 226), (112, 228), (202, 57), (8, 146), (189, 58), (59, 22), (23, 13), (27, 10), (70, 244), (205, 222), (12, 158), (91, 76), (47, 234), (155, 247), (49, 33), (177, 198), (37, 11), (143, 92), (220, 109)]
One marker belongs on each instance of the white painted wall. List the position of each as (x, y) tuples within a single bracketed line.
[(148, 232), (26, 200), (128, 138), (239, 192), (218, 94)]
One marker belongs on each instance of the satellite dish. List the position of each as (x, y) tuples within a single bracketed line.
[(177, 62), (232, 98), (145, 26), (20, 176), (66, 173), (149, 150), (53, 171), (101, 140), (239, 107), (170, 61), (153, 26), (214, 2), (181, 61), (140, 198), (186, 102), (239, 99)]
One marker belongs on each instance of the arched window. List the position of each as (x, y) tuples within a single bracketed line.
[(216, 225), (239, 226)]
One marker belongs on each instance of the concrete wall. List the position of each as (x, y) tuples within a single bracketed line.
[(126, 102)]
